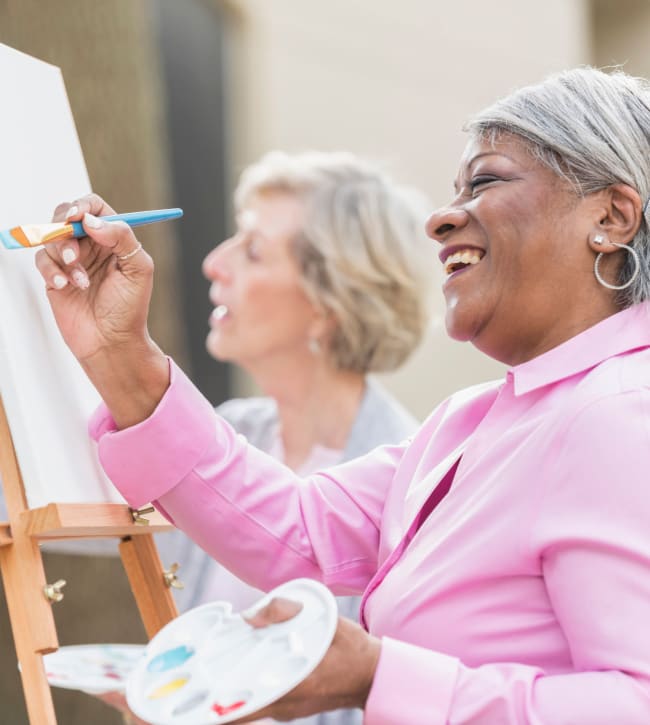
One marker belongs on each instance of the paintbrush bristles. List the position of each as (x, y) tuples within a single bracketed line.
[(19, 235), (63, 233), (33, 235)]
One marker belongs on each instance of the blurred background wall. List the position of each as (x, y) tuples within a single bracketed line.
[(173, 98)]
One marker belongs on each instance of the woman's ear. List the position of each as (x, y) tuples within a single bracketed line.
[(622, 214), (323, 327)]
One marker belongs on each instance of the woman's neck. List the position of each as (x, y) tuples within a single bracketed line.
[(317, 404)]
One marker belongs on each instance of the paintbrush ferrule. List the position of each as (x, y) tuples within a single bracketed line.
[(54, 236)]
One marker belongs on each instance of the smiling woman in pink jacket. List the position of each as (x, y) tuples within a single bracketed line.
[(503, 553)]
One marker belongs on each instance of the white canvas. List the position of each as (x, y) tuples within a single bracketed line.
[(47, 397)]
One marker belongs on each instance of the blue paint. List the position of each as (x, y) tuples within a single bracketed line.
[(8, 241), (171, 658)]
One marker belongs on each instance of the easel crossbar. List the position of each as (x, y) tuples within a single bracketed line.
[(64, 521)]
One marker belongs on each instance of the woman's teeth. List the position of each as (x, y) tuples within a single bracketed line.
[(461, 259), (220, 312)]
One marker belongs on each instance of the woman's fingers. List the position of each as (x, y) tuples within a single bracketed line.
[(74, 210), (60, 264), (54, 275), (67, 252), (277, 610), (118, 238)]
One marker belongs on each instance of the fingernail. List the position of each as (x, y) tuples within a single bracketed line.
[(92, 221), (81, 279), (68, 255), (59, 281), (72, 211)]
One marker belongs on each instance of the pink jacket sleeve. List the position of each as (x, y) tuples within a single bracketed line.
[(244, 508), (593, 536)]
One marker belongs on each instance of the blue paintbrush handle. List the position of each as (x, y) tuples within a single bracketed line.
[(133, 219)]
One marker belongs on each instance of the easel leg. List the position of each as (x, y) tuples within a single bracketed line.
[(32, 624), (144, 570), (23, 577)]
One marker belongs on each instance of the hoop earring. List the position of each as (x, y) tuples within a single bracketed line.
[(635, 274)]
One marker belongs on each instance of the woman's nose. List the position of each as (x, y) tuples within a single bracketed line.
[(214, 264), (444, 221)]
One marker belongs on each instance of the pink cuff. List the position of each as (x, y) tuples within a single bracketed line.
[(147, 460), (412, 685)]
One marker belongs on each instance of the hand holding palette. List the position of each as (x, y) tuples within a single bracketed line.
[(209, 666)]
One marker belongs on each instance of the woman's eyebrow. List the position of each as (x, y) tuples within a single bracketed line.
[(246, 224)]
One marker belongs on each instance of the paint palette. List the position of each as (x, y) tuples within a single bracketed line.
[(93, 668), (209, 666)]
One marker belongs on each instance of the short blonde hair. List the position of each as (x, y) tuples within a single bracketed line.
[(362, 251)]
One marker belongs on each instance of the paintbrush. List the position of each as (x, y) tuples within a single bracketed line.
[(33, 235)]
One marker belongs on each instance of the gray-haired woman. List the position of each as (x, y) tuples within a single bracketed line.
[(504, 550)]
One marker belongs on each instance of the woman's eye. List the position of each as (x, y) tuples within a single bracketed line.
[(252, 250), (478, 182)]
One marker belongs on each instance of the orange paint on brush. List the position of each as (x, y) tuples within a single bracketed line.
[(19, 235)]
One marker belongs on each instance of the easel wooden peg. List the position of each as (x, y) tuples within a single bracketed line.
[(53, 592), (138, 515), (171, 578)]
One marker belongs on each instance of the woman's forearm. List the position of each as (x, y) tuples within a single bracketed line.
[(131, 380)]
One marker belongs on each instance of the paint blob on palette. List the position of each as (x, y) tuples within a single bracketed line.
[(209, 666), (93, 668)]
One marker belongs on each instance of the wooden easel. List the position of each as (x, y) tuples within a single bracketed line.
[(30, 609)]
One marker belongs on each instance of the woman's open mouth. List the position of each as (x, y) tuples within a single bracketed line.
[(219, 313), (462, 259)]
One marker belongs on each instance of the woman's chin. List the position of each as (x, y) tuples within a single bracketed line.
[(458, 326), (217, 350)]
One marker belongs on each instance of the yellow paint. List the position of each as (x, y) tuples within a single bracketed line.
[(167, 689)]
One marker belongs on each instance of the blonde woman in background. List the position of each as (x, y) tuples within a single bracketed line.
[(324, 282)]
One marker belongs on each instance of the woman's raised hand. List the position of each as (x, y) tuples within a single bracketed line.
[(98, 300), (100, 293)]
